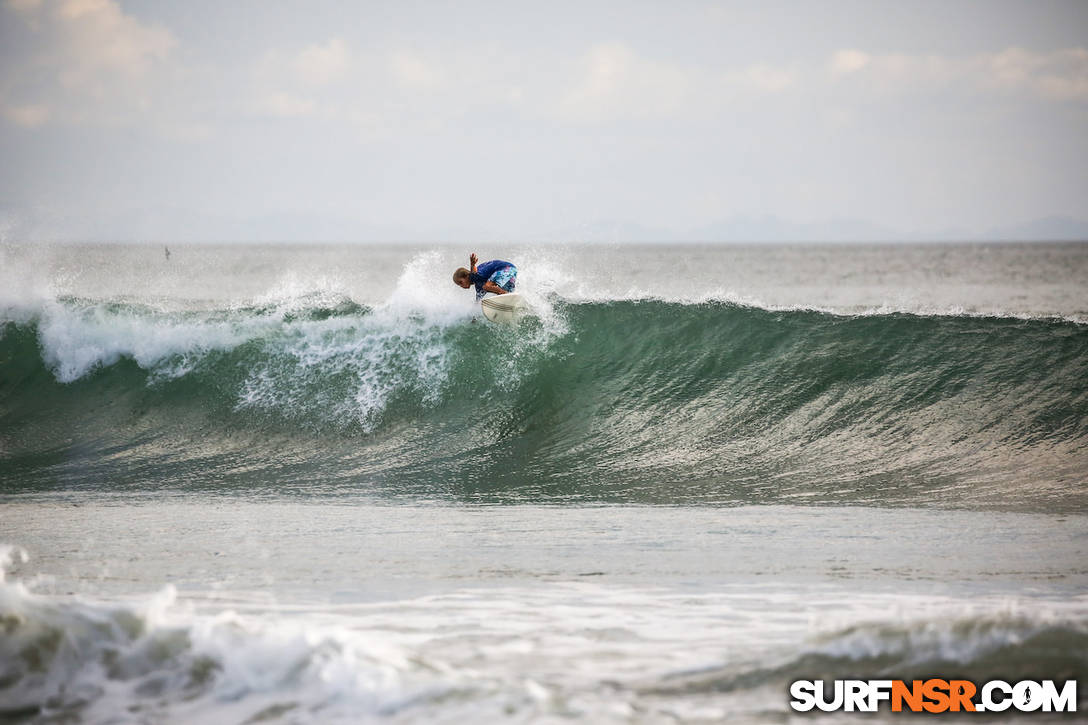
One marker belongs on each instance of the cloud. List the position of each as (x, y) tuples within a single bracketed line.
[(296, 84), (386, 88), (324, 63), (412, 71), (1060, 75), (89, 37), (89, 61), (848, 61), (29, 116), (286, 105), (613, 82)]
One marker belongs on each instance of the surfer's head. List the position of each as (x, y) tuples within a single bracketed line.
[(461, 278)]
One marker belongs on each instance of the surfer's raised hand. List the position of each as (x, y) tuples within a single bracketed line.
[(472, 259)]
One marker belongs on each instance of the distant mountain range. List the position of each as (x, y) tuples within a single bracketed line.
[(1051, 227), (181, 225)]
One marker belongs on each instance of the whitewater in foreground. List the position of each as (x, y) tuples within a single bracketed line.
[(310, 484)]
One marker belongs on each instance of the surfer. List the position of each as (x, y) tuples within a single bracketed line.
[(496, 276)]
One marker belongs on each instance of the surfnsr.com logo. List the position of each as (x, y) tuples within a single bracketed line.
[(933, 696)]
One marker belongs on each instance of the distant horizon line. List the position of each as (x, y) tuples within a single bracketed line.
[(520, 242), (308, 228)]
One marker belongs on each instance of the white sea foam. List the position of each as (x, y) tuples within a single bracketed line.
[(532, 653), (78, 339)]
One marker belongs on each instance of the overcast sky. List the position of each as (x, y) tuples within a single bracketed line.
[(209, 119)]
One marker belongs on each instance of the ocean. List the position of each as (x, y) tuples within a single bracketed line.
[(310, 484)]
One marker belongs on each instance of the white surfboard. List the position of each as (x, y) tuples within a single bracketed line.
[(504, 309)]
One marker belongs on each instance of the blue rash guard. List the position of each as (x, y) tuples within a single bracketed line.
[(502, 273)]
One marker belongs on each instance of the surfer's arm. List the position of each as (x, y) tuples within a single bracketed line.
[(472, 262), (490, 286)]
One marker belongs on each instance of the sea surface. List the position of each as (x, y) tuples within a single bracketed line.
[(311, 484)]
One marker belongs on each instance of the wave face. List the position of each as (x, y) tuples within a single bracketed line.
[(634, 400)]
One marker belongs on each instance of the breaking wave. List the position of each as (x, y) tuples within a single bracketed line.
[(646, 654), (598, 400)]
